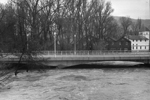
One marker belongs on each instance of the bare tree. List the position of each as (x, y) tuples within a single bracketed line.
[(136, 26), (2, 14), (87, 22), (125, 22), (29, 14)]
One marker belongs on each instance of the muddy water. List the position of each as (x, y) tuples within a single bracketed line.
[(77, 84)]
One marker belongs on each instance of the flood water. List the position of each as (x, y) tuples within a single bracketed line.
[(77, 84)]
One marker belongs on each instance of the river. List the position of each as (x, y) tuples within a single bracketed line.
[(77, 84)]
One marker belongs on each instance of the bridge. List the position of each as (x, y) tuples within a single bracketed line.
[(70, 58)]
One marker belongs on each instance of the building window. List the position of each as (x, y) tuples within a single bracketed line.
[(136, 47), (133, 47), (119, 43), (112, 48), (126, 49), (140, 47), (145, 47)]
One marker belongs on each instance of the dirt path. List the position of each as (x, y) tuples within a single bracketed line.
[(92, 84)]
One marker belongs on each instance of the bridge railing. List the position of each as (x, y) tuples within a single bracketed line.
[(79, 53), (95, 52)]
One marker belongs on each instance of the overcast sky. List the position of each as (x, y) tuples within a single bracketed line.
[(132, 8), (3, 1)]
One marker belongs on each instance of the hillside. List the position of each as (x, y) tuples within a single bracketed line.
[(145, 22)]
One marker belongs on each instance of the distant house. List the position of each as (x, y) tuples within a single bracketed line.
[(122, 44), (145, 32), (139, 42)]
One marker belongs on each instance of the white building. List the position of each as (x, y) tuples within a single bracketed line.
[(145, 33), (139, 42)]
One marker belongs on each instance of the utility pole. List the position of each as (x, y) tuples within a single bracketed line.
[(75, 44), (55, 43), (27, 41)]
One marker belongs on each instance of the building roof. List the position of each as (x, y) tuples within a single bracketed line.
[(144, 29), (137, 37), (116, 40)]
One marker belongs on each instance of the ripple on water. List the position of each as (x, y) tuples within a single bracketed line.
[(73, 78)]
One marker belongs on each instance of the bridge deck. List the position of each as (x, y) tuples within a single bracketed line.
[(73, 59), (104, 56)]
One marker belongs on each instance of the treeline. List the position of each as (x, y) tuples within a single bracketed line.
[(82, 24)]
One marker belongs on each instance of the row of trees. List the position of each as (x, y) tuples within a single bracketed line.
[(29, 25)]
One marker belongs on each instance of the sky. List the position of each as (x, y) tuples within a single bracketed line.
[(129, 8), (3, 1)]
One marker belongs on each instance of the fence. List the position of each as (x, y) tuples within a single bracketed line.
[(92, 52), (81, 52)]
